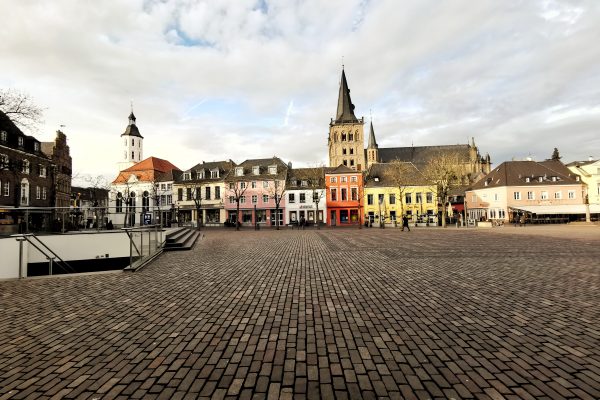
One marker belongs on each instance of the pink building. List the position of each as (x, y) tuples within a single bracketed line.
[(259, 187), (544, 191)]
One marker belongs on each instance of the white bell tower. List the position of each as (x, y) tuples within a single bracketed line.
[(132, 145)]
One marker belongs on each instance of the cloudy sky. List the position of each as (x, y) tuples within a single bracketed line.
[(240, 79)]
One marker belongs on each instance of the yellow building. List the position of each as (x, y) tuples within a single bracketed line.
[(396, 189)]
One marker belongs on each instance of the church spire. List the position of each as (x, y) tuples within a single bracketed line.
[(372, 142), (345, 108)]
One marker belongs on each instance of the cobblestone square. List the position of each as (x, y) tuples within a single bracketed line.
[(508, 313)]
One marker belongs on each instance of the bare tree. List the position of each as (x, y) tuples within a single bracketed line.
[(444, 172), (194, 193), (276, 192), (316, 183), (96, 184), (237, 190), (21, 109), (401, 175)]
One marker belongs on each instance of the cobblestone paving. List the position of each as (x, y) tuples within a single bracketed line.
[(317, 314)]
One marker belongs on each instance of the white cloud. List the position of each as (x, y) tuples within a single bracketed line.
[(212, 80)]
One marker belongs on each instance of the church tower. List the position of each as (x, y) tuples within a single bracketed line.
[(346, 139), (133, 145), (372, 148)]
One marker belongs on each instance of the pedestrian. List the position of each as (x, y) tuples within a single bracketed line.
[(405, 223), (302, 222)]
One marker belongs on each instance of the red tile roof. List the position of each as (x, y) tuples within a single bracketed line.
[(148, 170)]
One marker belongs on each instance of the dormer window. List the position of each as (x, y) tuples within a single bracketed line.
[(239, 171), (376, 179), (20, 141), (214, 174), (187, 176), (272, 169), (36, 146), (541, 179), (256, 170), (554, 179), (577, 178), (3, 136), (304, 183), (200, 174), (527, 179)]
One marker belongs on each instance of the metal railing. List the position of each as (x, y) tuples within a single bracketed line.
[(46, 251), (145, 243)]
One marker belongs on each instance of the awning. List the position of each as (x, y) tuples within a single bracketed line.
[(559, 209)]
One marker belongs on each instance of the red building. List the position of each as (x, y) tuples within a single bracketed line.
[(344, 187)]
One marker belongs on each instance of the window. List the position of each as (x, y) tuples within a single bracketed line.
[(571, 194), (231, 186), (180, 194), (344, 179), (3, 136), (253, 184), (408, 198), (265, 198), (344, 194), (419, 198), (119, 203), (333, 179), (544, 195), (316, 197), (187, 176), (344, 151), (242, 199), (304, 183), (145, 201), (20, 140), (214, 173), (527, 179), (343, 137), (207, 193), (302, 197), (345, 163), (200, 174), (38, 192), (370, 199), (333, 194), (352, 163), (429, 196), (231, 199), (242, 185), (517, 195), (6, 189), (188, 194), (353, 179), (350, 137), (291, 198), (132, 141), (239, 171), (392, 198), (541, 179), (265, 184), (354, 193), (132, 155), (272, 169), (25, 168), (3, 161), (169, 199), (44, 193), (256, 170), (558, 195), (254, 199), (217, 192), (554, 179), (530, 196), (380, 198), (351, 151), (496, 196), (36, 146)]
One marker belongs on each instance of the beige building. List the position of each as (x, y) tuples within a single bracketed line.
[(589, 171)]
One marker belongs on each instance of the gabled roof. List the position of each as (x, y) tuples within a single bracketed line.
[(340, 169), (345, 108), (297, 175), (420, 155), (581, 163), (263, 164), (152, 169), (518, 173), (224, 168), (379, 175)]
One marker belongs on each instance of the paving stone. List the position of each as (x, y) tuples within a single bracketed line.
[(347, 313)]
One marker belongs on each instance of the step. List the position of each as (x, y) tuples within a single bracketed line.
[(174, 236), (189, 242), (181, 238)]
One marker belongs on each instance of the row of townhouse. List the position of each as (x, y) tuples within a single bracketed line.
[(266, 192), (546, 191), (35, 179)]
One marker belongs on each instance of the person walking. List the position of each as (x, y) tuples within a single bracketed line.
[(405, 223)]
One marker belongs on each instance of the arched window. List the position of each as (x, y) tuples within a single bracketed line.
[(131, 200), (145, 201), (119, 203)]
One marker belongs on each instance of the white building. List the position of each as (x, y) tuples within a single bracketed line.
[(305, 196)]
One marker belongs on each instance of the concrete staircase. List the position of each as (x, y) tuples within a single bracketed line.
[(181, 239)]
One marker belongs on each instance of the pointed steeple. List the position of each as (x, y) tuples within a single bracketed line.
[(372, 142), (132, 129), (345, 108), (131, 118)]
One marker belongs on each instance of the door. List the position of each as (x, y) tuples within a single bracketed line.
[(333, 219)]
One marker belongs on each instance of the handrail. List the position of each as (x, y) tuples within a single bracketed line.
[(27, 237), (142, 260)]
